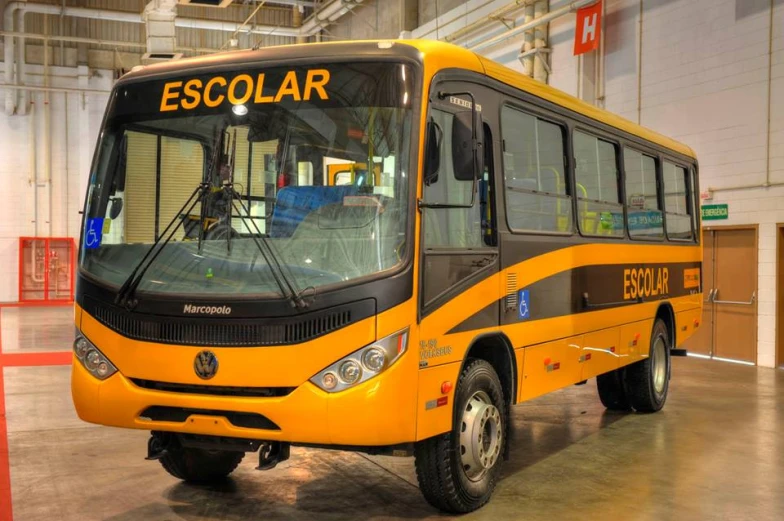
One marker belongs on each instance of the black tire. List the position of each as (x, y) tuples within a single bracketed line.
[(648, 381), (199, 465), (442, 476), (612, 391)]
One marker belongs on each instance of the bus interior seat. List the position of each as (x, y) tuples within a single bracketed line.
[(343, 238), (295, 203)]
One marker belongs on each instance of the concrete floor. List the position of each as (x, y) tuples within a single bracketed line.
[(715, 452)]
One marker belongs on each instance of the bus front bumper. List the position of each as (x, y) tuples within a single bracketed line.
[(378, 412)]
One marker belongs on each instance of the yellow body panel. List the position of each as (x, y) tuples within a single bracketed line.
[(599, 353), (550, 366), (635, 341), (432, 420), (687, 323)]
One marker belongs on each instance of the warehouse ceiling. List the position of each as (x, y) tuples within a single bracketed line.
[(117, 34)]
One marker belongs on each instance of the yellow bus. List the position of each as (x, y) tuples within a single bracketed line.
[(512, 241)]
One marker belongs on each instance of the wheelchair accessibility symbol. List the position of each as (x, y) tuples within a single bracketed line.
[(524, 310), (93, 233)]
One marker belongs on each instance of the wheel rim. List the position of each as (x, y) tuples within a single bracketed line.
[(659, 363), (481, 434)]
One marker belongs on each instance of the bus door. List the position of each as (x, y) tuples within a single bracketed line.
[(458, 293)]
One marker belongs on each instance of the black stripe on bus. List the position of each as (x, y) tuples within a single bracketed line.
[(589, 288)]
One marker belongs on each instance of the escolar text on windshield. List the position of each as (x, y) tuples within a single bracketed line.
[(241, 89)]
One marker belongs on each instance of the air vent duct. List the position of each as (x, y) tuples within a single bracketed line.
[(159, 16)]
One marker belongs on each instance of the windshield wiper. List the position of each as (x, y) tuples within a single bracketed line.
[(125, 295), (260, 240)]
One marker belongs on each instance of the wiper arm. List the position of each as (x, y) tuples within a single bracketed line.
[(285, 285), (127, 290)]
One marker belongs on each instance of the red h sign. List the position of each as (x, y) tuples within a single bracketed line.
[(588, 28)]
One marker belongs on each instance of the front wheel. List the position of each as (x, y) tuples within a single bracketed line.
[(458, 471), (199, 465)]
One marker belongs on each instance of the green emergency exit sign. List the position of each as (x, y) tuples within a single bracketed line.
[(715, 212)]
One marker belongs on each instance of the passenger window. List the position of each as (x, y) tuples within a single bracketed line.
[(642, 199), (534, 174), (676, 197), (599, 208)]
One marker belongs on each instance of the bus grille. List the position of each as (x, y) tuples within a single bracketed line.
[(225, 332)]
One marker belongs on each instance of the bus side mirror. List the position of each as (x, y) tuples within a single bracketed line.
[(116, 208), (433, 152), (467, 152)]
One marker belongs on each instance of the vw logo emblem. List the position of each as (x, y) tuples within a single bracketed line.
[(205, 365)]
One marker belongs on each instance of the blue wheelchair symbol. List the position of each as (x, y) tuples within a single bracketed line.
[(93, 233), (524, 309)]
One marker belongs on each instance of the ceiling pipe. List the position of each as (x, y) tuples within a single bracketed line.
[(327, 15), (552, 15), (98, 41), (496, 16), (300, 3), (230, 27), (541, 68), (432, 28), (8, 59), (37, 88), (21, 65)]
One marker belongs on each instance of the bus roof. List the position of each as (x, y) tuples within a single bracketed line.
[(435, 55)]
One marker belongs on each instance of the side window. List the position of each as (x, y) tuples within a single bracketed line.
[(599, 208), (534, 174), (676, 201), (450, 227), (642, 199)]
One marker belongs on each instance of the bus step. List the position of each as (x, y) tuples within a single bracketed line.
[(271, 453), (679, 352)]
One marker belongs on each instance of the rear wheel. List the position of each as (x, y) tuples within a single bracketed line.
[(199, 465), (458, 471), (648, 381), (612, 391)]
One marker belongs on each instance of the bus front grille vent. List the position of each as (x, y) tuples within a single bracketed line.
[(226, 332), (213, 390)]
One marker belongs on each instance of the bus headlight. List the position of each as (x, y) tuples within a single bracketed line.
[(362, 365), (92, 359)]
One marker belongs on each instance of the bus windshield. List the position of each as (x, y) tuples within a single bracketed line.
[(310, 160)]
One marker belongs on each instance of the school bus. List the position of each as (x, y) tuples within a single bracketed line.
[(511, 241)]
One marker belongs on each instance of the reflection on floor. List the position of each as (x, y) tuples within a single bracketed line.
[(715, 452)]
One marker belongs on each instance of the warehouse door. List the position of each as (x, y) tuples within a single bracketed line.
[(780, 298), (730, 316)]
